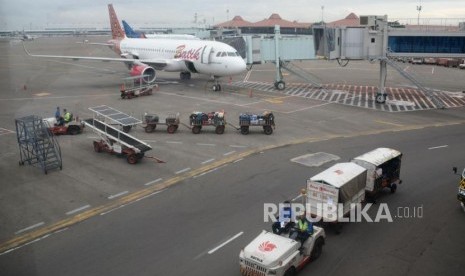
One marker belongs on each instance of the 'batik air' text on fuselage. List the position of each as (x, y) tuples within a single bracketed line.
[(197, 56)]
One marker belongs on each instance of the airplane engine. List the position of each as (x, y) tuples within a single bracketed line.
[(147, 73)]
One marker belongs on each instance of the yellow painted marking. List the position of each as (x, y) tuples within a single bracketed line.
[(277, 99), (274, 101), (389, 123), (27, 237)]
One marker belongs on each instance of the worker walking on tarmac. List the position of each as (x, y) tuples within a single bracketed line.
[(67, 116), (304, 230), (57, 113)]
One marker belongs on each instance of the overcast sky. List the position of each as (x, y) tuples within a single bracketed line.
[(19, 14)]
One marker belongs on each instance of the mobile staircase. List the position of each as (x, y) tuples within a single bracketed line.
[(37, 146)]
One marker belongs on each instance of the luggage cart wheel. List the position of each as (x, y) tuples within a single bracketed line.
[(171, 129), (132, 159)]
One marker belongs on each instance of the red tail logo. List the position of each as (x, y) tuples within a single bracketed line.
[(266, 246), (116, 30)]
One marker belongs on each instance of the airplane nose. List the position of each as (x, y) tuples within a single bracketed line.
[(239, 66)]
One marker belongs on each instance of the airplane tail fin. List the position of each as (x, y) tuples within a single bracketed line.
[(116, 30), (131, 33)]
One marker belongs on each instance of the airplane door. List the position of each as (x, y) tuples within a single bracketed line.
[(206, 54)]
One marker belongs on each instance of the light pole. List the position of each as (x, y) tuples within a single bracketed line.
[(322, 11), (419, 10)]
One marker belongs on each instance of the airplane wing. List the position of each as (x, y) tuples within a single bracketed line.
[(159, 64), (93, 43)]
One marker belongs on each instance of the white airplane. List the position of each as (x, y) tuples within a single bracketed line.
[(144, 56)]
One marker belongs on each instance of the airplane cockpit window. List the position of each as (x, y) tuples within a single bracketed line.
[(219, 54), (223, 54), (231, 54)]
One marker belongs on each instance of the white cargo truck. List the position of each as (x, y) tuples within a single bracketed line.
[(273, 254), (331, 194), (383, 166)]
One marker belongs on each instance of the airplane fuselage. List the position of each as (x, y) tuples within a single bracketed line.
[(196, 56)]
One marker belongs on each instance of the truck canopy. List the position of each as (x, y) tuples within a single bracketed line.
[(349, 178), (267, 249), (379, 156)]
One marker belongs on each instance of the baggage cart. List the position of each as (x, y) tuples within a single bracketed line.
[(197, 120), (152, 120), (266, 121)]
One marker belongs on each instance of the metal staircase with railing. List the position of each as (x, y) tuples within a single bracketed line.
[(301, 73), (37, 146), (417, 83)]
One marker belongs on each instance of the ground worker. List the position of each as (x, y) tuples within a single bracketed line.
[(304, 230), (67, 116), (57, 113)]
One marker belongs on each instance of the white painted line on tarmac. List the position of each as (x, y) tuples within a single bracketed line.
[(438, 147), (36, 240), (229, 153), (29, 228), (150, 141), (212, 170), (183, 170), (124, 205), (208, 161), (174, 142), (152, 194), (78, 210), (226, 242), (119, 207), (211, 145), (4, 131), (154, 181), (238, 160), (118, 195), (237, 146)]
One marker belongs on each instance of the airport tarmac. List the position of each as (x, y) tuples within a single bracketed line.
[(31, 200)]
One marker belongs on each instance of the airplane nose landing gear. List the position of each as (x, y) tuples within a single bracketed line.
[(216, 84)]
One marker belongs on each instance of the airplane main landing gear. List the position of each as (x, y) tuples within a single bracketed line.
[(216, 87), (381, 98), (280, 85)]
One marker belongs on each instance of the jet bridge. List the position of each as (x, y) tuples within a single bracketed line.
[(282, 50), (374, 41)]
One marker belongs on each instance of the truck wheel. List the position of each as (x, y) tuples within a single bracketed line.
[(268, 130), (171, 129), (150, 128), (245, 130), (73, 130), (219, 130), (290, 272), (132, 159), (196, 130), (97, 147), (393, 188), (317, 249)]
